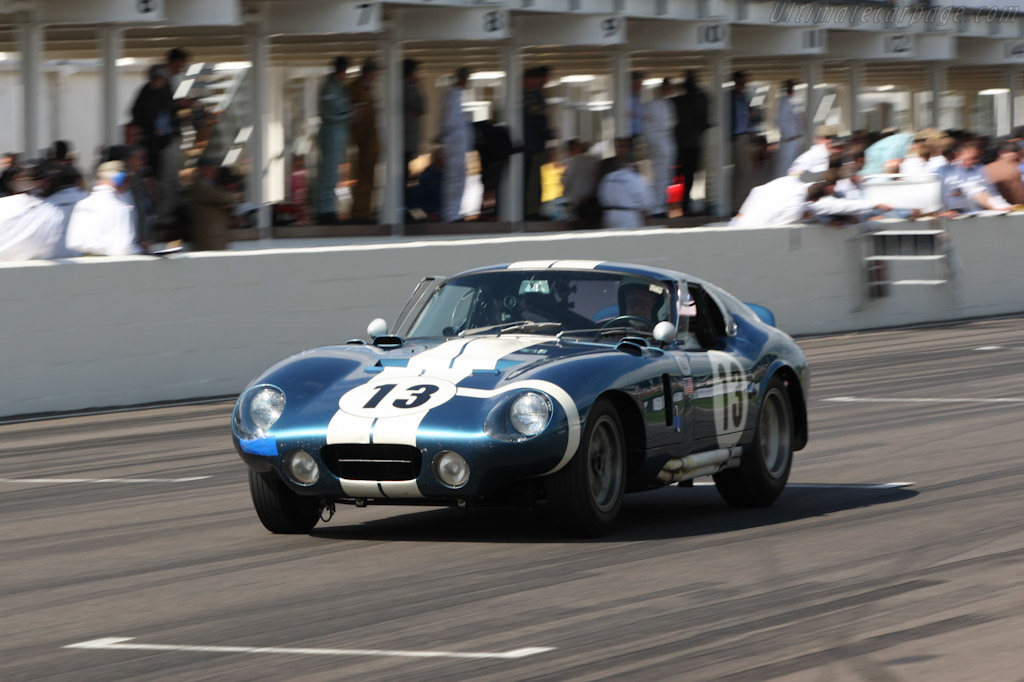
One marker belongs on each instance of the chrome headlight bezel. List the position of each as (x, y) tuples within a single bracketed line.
[(257, 410), (530, 412)]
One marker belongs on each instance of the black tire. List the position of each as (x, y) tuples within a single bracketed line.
[(280, 510), (585, 496), (765, 464)]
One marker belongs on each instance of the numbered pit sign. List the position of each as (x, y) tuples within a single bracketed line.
[(385, 398)]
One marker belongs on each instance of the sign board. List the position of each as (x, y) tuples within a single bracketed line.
[(101, 11), (779, 40), (570, 29), (684, 36), (873, 45), (567, 6), (898, 45), (322, 16), (203, 12), (662, 9), (454, 23)]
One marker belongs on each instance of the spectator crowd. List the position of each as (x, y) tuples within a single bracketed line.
[(135, 199)]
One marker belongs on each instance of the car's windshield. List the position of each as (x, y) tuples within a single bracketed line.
[(569, 302)]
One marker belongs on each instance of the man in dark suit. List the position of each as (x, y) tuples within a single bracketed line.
[(691, 122)]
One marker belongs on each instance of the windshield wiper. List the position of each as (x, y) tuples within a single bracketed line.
[(516, 326), (598, 332)]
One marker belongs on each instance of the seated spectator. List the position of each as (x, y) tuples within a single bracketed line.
[(778, 202), (891, 149), (965, 188), (579, 181), (1004, 173), (816, 159), (65, 193), (103, 224), (29, 226), (925, 153), (426, 197), (625, 195), (8, 166), (212, 208)]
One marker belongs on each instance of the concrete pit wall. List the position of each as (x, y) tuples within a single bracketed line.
[(98, 332)]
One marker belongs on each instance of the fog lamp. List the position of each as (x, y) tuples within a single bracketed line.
[(451, 468), (302, 468)]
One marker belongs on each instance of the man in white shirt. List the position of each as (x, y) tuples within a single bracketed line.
[(660, 131), (103, 223), (625, 195), (791, 132), (816, 159), (457, 138), (30, 227)]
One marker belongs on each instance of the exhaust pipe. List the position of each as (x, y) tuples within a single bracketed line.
[(701, 464)]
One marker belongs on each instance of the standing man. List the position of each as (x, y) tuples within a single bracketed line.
[(414, 106), (153, 113), (536, 134), (103, 224), (170, 157), (364, 129), (741, 119), (660, 130), (335, 113), (691, 122), (211, 208), (457, 138), (791, 126)]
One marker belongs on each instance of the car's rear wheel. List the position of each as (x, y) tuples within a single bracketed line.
[(585, 496), (280, 510), (765, 464)]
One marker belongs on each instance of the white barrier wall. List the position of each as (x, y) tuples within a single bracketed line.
[(98, 332)]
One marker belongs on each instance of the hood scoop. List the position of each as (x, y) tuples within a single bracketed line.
[(632, 345), (388, 342)]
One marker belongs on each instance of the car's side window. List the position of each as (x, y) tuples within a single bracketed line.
[(707, 325)]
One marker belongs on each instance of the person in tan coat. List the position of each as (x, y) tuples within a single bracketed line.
[(1004, 173), (364, 134), (211, 209)]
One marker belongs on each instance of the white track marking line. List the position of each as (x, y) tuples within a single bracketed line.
[(851, 486), (851, 399), (119, 643), (103, 480), (989, 348)]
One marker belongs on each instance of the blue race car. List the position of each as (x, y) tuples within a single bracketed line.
[(572, 382)]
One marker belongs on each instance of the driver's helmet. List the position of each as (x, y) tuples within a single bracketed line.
[(643, 298)]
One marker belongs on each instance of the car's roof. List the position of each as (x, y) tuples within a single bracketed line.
[(609, 266)]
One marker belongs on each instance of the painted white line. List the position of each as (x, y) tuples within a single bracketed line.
[(989, 348), (119, 643), (117, 410), (103, 480), (851, 399), (850, 486)]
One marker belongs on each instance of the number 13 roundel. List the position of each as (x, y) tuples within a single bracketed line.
[(396, 397), (730, 396)]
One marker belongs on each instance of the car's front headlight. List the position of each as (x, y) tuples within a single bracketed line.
[(530, 413), (257, 410)]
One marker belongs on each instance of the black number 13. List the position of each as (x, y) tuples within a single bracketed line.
[(417, 396)]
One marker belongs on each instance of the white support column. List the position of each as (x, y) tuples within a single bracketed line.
[(938, 82), (259, 51), (621, 88), (30, 44), (854, 87), (511, 204), (719, 153), (813, 77), (112, 43), (393, 200), (1013, 85)]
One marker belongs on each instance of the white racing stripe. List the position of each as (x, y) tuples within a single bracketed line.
[(123, 643), (103, 480), (851, 399)]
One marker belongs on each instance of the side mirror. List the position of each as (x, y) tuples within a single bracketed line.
[(664, 332), (379, 327)]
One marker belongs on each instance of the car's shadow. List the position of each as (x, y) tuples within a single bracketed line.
[(662, 514)]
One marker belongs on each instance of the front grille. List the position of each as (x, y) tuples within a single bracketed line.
[(363, 462)]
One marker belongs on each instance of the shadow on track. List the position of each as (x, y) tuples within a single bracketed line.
[(663, 514)]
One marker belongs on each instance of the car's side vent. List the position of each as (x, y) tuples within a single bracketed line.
[(666, 389), (365, 462)]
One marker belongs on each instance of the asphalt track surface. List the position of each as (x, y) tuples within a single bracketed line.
[(838, 581)]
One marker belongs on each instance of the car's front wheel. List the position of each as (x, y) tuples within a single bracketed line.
[(585, 496), (765, 465), (280, 510)]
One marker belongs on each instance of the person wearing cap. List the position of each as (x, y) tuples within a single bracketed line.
[(30, 227), (332, 139), (660, 132), (364, 130), (742, 127), (625, 194), (791, 127), (212, 208), (816, 159), (457, 139), (103, 224)]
